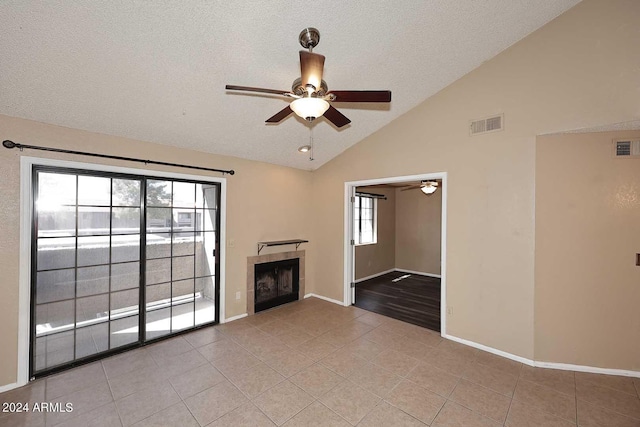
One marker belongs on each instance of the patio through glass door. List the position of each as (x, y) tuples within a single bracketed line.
[(118, 261)]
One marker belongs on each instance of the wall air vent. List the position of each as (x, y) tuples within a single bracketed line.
[(626, 148), (486, 125)]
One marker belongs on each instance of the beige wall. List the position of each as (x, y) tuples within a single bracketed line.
[(587, 292), (254, 212), (580, 70), (374, 259), (418, 230)]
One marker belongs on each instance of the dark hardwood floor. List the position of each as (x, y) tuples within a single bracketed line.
[(414, 299)]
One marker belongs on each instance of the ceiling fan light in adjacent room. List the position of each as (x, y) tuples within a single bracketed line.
[(309, 108), (429, 188)]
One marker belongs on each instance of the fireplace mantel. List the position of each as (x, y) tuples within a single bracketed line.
[(260, 259), (297, 242)]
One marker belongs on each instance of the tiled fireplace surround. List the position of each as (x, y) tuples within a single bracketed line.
[(280, 256)]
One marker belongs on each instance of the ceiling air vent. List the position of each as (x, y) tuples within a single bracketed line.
[(626, 148), (486, 125)]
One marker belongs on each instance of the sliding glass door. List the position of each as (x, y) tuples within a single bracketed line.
[(105, 245), (182, 219)]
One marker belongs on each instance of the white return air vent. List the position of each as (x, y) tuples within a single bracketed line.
[(626, 148), (486, 125)]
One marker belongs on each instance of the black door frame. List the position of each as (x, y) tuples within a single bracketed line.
[(143, 177)]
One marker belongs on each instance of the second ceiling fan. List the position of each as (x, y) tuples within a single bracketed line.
[(427, 187), (311, 97)]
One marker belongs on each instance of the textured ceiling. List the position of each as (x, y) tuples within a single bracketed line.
[(156, 70)]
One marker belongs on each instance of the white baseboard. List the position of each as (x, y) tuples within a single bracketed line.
[(238, 317), (8, 387), (547, 365), (373, 276), (590, 369), (490, 350), (335, 301), (402, 270)]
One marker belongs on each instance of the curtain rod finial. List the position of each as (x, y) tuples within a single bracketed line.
[(8, 144)]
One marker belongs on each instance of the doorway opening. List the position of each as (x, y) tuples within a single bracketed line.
[(395, 247)]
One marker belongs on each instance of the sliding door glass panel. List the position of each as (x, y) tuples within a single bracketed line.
[(183, 309), (158, 193), (92, 250), (205, 300), (183, 244), (178, 258), (92, 280), (184, 194), (94, 190), (93, 309), (55, 285), (158, 315), (207, 217), (125, 248), (126, 192), (93, 220), (125, 276), (83, 246), (207, 196), (124, 331), (104, 245), (157, 245)]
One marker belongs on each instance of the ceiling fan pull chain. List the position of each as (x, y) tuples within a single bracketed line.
[(311, 144)]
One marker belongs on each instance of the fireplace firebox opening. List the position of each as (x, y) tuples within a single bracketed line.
[(276, 283)]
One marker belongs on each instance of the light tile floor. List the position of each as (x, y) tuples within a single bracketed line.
[(313, 363)]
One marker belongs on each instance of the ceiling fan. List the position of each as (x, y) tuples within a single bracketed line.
[(311, 96), (427, 187)]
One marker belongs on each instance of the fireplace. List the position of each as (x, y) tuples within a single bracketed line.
[(276, 283), (252, 261)]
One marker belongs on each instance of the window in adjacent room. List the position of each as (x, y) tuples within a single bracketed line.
[(365, 217)]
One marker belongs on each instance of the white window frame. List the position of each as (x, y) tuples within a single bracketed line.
[(357, 235)]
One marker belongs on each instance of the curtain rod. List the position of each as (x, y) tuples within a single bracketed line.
[(373, 195), (11, 144)]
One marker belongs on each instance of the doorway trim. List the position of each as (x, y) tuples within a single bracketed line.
[(349, 249), (26, 219)]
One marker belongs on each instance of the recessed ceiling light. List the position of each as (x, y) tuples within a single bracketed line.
[(304, 149)]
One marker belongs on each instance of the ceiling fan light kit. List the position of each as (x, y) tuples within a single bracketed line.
[(429, 188), (310, 93), (309, 108)]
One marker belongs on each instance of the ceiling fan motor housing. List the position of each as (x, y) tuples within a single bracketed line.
[(298, 88)]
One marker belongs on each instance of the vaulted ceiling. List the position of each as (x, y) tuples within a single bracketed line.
[(156, 70)]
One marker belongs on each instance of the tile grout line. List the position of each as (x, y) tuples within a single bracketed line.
[(113, 399), (384, 400), (600, 405), (181, 401), (320, 402), (511, 401), (593, 383), (449, 399)]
